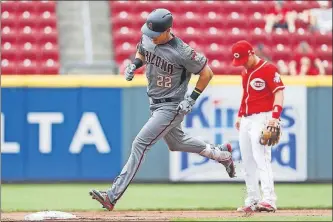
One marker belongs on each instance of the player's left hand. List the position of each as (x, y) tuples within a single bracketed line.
[(186, 106)]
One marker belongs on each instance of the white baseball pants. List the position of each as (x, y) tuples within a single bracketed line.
[(256, 158)]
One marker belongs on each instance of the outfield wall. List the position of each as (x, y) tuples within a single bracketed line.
[(80, 128)]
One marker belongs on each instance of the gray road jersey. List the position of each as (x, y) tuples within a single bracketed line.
[(169, 67)]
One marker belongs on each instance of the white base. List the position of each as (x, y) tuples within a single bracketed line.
[(49, 215)]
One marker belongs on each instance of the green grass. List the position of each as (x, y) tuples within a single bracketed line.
[(265, 218), (74, 197)]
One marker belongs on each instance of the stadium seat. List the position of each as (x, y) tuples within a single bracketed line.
[(124, 51), (323, 38), (8, 51), (8, 19), (218, 67), (27, 67), (192, 34), (213, 35), (213, 19), (49, 67), (189, 19), (43, 6), (234, 35), (214, 51), (259, 36), (236, 20), (281, 52), (280, 36), (28, 51), (8, 34), (301, 35), (258, 6), (233, 6), (324, 52), (8, 66), (49, 51), (121, 6), (256, 20), (211, 6)]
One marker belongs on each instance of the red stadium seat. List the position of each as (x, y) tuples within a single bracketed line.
[(27, 18), (234, 35), (49, 67), (8, 34), (233, 6), (214, 51), (323, 38), (27, 67), (124, 51), (123, 19), (218, 67), (48, 34), (49, 51), (10, 6), (301, 35), (328, 68), (259, 36), (8, 67), (8, 51), (172, 6), (28, 51), (120, 6), (212, 19), (189, 19), (187, 6), (258, 6), (232, 70), (192, 34), (42, 6), (126, 34), (256, 20), (47, 19), (213, 35), (280, 36), (211, 6), (281, 52), (324, 52), (8, 19), (236, 20)]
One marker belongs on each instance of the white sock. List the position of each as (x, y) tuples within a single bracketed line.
[(215, 154)]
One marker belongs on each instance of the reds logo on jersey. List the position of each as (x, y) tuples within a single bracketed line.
[(258, 84)]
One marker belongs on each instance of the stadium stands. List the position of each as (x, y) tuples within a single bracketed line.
[(29, 37), (214, 25)]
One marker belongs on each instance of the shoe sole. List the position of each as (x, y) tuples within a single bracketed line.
[(96, 196), (265, 209)]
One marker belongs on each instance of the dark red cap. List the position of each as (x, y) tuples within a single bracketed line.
[(241, 51)]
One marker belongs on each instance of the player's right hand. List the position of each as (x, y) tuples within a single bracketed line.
[(129, 72), (237, 124)]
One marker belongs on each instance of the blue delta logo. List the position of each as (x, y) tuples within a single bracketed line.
[(225, 117)]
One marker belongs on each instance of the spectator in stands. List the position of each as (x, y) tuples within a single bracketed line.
[(319, 19), (260, 51), (305, 62), (280, 17)]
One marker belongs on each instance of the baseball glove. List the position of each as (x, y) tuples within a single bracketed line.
[(270, 135)]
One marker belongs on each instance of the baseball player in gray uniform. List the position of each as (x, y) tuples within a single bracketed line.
[(169, 65)]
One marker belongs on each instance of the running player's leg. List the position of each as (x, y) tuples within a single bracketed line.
[(157, 126), (177, 140)]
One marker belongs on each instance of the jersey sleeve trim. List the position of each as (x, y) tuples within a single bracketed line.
[(278, 88), (202, 67)]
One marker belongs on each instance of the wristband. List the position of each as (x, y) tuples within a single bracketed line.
[(196, 93), (277, 109), (138, 63)]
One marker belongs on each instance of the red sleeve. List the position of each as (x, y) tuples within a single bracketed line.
[(273, 79)]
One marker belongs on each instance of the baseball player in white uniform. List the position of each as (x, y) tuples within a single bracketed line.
[(258, 120)]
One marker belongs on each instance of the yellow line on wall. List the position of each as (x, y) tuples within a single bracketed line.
[(118, 81)]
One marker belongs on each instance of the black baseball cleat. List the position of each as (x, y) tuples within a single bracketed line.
[(102, 198)]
